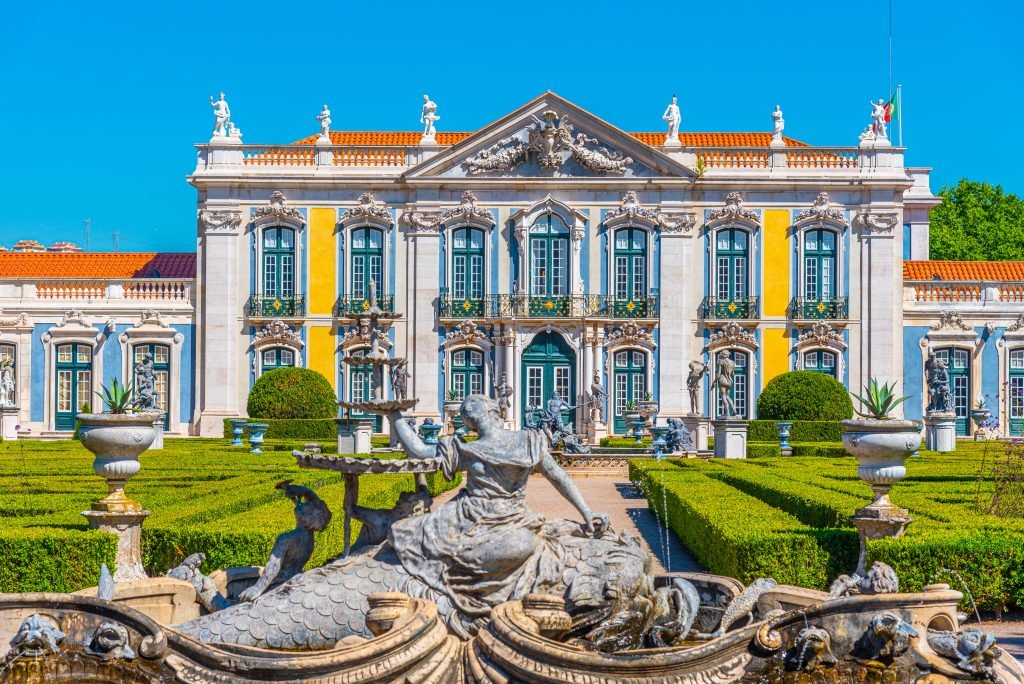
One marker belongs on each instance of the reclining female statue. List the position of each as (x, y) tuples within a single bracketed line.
[(481, 549)]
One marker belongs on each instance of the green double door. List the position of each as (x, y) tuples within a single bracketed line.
[(630, 384), (73, 391), (958, 364), (548, 366)]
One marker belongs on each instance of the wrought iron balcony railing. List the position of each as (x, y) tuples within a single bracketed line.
[(277, 306), (723, 309), (349, 306), (536, 306), (825, 308)]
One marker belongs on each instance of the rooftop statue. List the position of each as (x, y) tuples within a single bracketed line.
[(222, 115), (778, 124), (324, 117), (878, 118), (481, 549), (428, 115), (673, 118)]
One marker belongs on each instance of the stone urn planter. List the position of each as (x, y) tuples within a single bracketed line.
[(237, 430), (256, 432), (881, 448), (980, 415), (648, 408), (116, 440)]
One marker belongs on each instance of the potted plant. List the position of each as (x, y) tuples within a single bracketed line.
[(880, 442), (116, 437), (647, 406), (630, 412), (980, 413)]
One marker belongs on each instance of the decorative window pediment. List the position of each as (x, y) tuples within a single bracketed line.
[(821, 334), (277, 213), (734, 213), (951, 321), (275, 334), (466, 213), (575, 219), (367, 212), (630, 334), (732, 334), (151, 327), (631, 212), (361, 335), (821, 213), (467, 334), (72, 327)]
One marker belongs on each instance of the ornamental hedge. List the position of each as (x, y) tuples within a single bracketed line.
[(308, 429), (204, 496), (796, 512), (292, 393), (804, 395)]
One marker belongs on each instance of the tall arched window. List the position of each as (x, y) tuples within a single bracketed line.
[(740, 391), (1015, 387), (820, 361), (161, 355), (360, 388), (630, 264), (549, 257), (819, 265), (367, 261), (467, 264), (630, 383), (732, 264), (74, 383), (467, 372), (279, 262)]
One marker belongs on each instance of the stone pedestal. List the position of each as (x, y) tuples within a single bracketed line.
[(730, 438), (878, 520), (940, 431), (9, 422), (158, 441), (595, 432), (127, 525), (699, 428), (354, 435)]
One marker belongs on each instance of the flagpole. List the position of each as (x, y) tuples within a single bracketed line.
[(899, 103), (890, 46)]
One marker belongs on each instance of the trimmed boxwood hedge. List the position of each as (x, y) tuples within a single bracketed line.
[(804, 395), (763, 450), (802, 431), (310, 429), (292, 393)]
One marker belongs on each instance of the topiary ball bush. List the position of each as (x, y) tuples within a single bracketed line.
[(804, 395), (292, 393)]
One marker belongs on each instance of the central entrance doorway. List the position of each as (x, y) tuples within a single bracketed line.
[(548, 365)]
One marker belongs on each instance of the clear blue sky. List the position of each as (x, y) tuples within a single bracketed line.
[(104, 100)]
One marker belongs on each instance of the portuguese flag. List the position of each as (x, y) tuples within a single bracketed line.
[(891, 109)]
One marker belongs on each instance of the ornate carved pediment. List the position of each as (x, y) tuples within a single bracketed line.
[(361, 334), (465, 333), (466, 212), (219, 220), (822, 334), (73, 325), (19, 321), (631, 212), (630, 333), (952, 321), (730, 334), (367, 210), (277, 332), (733, 212), (877, 222), (72, 317), (277, 212), (151, 317), (1012, 327), (821, 211)]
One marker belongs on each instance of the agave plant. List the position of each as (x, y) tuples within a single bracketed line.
[(879, 400), (453, 395), (117, 398)]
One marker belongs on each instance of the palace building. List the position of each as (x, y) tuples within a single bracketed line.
[(549, 248)]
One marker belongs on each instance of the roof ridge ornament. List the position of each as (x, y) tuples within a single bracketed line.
[(821, 211)]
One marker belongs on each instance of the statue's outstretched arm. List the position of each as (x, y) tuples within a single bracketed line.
[(567, 488), (410, 441), (268, 575)]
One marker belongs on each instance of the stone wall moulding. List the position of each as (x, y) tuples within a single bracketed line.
[(880, 222), (821, 212), (220, 220), (275, 212), (734, 213), (466, 213), (631, 213), (18, 322), (72, 327), (368, 211), (1016, 327)]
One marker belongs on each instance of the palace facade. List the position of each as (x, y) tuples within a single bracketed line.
[(549, 248)]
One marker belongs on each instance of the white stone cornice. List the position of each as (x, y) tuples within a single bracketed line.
[(276, 213), (466, 213), (821, 212), (877, 222), (220, 220), (368, 211), (734, 213)]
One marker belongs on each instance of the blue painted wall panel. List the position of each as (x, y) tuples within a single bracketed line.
[(187, 372), (913, 371), (38, 389), (990, 383)]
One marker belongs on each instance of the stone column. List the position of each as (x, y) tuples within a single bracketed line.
[(423, 290), (219, 288), (678, 308), (588, 375), (881, 305)]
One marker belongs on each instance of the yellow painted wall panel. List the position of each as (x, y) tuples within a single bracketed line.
[(776, 352), (322, 259), (321, 352), (776, 266)]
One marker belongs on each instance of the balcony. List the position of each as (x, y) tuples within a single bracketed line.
[(826, 308), (743, 308), (535, 306), (352, 306), (273, 306)]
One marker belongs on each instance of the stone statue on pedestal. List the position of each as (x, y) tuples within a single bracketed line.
[(778, 124), (940, 399), (597, 396), (697, 369), (324, 117), (673, 118), (878, 118), (146, 398), (723, 381), (503, 395), (400, 380), (428, 115), (222, 115), (7, 383)]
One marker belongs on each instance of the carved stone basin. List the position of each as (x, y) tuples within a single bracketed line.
[(382, 407)]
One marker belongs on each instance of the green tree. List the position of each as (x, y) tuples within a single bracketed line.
[(292, 393), (976, 222)]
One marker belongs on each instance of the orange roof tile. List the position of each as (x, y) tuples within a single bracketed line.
[(963, 270), (97, 265), (402, 138)]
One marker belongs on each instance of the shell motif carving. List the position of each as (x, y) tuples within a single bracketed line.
[(137, 436)]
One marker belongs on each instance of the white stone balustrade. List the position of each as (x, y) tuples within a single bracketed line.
[(962, 292), (141, 289)]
